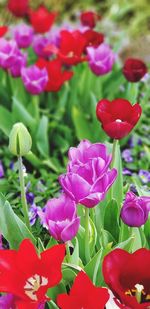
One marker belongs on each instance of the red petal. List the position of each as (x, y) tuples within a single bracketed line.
[(51, 261), (121, 109), (117, 130)]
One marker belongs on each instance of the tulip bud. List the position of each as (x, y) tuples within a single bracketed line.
[(20, 141), (135, 210)]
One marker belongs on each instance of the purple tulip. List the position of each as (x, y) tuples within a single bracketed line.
[(101, 59), (19, 63), (60, 218), (34, 79), (39, 44), (7, 301), (135, 210), (8, 50), (89, 177), (23, 35)]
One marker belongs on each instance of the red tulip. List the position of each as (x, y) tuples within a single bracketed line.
[(56, 75), (41, 19), (134, 69), (27, 275), (72, 45), (19, 8), (118, 117), (3, 30), (128, 276), (93, 38), (83, 294), (89, 18)]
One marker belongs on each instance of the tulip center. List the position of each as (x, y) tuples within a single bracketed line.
[(70, 54), (118, 120), (139, 293), (33, 284)]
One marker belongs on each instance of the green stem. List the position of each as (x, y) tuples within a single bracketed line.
[(87, 247), (68, 252), (115, 143), (23, 194), (35, 104)]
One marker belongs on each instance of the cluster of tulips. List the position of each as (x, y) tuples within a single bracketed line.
[(74, 270)]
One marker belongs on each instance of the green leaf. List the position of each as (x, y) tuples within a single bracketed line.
[(93, 266), (82, 125), (74, 258), (11, 226), (68, 275), (93, 236), (126, 245), (53, 292), (20, 113), (111, 218), (5, 120), (42, 137)]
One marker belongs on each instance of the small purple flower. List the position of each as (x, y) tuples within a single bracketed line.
[(34, 79), (135, 210), (23, 35), (33, 213), (127, 156), (101, 59), (131, 142), (7, 301), (144, 175), (127, 172), (89, 177), (30, 197), (1, 170), (60, 218), (19, 62), (39, 44), (8, 50)]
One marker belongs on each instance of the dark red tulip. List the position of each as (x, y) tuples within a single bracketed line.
[(89, 18), (126, 275), (93, 38), (134, 70), (118, 117), (19, 8), (3, 30), (57, 76), (83, 294), (41, 19)]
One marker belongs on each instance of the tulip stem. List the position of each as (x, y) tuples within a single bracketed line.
[(23, 195), (115, 143), (35, 104), (68, 252), (87, 232)]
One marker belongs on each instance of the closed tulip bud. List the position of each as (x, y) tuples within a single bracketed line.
[(20, 141)]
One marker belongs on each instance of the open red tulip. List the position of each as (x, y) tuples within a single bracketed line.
[(41, 19), (57, 76), (118, 117), (134, 69), (83, 294), (27, 275), (72, 45), (128, 276)]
